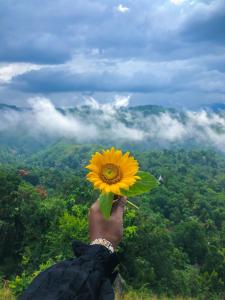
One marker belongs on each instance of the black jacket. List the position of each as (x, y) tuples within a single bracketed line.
[(89, 276)]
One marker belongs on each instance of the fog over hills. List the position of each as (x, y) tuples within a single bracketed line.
[(113, 123)]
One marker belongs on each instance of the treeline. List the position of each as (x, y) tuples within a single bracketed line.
[(174, 243)]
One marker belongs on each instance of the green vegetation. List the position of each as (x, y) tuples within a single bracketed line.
[(6, 294), (173, 245)]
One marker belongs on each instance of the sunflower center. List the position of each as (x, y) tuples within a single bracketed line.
[(110, 173)]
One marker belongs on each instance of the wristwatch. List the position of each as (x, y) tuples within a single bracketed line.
[(104, 243)]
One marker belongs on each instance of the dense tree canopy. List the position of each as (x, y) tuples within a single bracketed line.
[(175, 242)]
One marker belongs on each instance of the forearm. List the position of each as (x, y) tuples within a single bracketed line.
[(87, 277)]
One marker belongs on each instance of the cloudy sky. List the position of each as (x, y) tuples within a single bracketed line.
[(166, 52)]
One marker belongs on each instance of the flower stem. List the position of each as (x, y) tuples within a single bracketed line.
[(132, 204)]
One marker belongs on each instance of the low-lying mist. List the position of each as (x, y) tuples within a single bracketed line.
[(115, 122)]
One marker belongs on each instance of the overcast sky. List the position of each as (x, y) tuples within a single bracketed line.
[(166, 52)]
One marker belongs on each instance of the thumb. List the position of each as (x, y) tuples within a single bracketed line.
[(119, 207)]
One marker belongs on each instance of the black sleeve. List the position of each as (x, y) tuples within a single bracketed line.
[(87, 277)]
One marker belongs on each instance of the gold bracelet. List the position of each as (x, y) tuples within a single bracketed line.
[(104, 243)]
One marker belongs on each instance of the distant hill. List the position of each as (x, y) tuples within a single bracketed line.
[(151, 109), (4, 106), (216, 107), (147, 109), (26, 131)]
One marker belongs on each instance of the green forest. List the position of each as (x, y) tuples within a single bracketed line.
[(174, 244)]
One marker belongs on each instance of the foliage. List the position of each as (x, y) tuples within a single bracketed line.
[(145, 184), (144, 294), (6, 294), (105, 204), (174, 244), (20, 282)]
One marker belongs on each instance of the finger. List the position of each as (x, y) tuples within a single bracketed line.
[(118, 207), (116, 203), (95, 208)]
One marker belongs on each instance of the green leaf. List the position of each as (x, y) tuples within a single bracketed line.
[(105, 204), (141, 186)]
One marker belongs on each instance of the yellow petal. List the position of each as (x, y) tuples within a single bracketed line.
[(93, 167), (109, 181)]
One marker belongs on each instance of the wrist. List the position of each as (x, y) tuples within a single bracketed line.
[(104, 242)]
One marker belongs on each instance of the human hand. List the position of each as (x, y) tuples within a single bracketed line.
[(110, 229)]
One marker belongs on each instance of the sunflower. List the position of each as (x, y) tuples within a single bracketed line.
[(111, 171)]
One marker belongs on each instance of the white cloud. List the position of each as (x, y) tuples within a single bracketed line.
[(108, 108), (121, 101), (47, 118), (109, 122), (8, 71), (123, 9), (165, 127), (177, 2)]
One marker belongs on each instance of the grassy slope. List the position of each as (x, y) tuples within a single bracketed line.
[(5, 294)]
